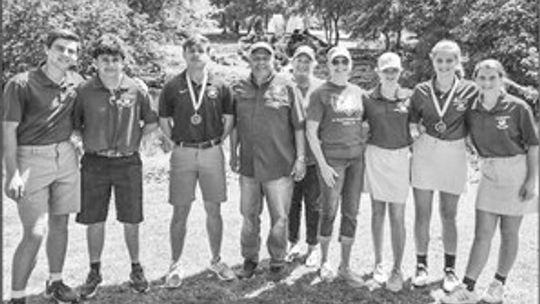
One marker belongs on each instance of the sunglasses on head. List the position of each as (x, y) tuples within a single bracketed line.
[(343, 61)]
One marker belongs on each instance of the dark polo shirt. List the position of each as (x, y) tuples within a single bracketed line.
[(423, 110), (175, 102), (506, 130), (41, 107), (112, 121), (388, 120), (266, 119), (339, 111)]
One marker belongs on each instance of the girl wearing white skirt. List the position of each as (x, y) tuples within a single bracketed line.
[(387, 170), (502, 131), (439, 160)]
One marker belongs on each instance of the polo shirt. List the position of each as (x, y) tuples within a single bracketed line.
[(266, 118), (388, 120), (112, 121), (42, 107), (506, 130), (339, 111), (175, 103), (423, 110)]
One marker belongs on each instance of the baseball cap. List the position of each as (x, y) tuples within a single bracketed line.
[(261, 45), (305, 50), (389, 60), (338, 51)]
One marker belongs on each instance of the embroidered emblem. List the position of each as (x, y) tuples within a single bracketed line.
[(125, 102), (460, 104), (502, 122), (277, 96), (67, 93), (212, 93), (402, 107)]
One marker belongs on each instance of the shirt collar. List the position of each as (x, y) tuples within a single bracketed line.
[(210, 81), (68, 81), (500, 105), (265, 82), (123, 86)]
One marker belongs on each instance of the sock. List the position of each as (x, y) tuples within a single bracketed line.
[(95, 266), (135, 265), (421, 259), (449, 261), (500, 278), (469, 283), (215, 260), (53, 277), (18, 294)]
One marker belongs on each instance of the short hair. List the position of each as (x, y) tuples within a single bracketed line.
[(194, 40), (66, 34), (448, 46), (108, 44), (492, 64)]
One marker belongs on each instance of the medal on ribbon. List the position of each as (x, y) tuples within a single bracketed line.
[(441, 126), (196, 118)]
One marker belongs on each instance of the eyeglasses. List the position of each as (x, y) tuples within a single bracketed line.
[(343, 61), (390, 71)]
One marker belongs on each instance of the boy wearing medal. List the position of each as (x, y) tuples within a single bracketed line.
[(196, 114), (439, 160), (112, 112)]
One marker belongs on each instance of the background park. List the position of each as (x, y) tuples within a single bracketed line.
[(154, 30)]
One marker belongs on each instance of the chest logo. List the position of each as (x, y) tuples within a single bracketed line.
[(460, 104), (502, 122), (66, 94), (212, 93), (346, 103), (277, 96), (402, 107)]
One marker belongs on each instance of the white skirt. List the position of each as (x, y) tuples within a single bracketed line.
[(387, 174), (439, 165), (500, 182)]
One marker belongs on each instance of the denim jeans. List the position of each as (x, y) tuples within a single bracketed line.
[(278, 195), (307, 190), (348, 188)]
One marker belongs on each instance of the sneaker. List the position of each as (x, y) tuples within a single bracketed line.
[(395, 282), (313, 256), (379, 275), (326, 273), (17, 301), (222, 271), (450, 280), (90, 287), (460, 295), (174, 277), (137, 281), (276, 273), (421, 276), (60, 292), (294, 252), (353, 279), (494, 293), (248, 270)]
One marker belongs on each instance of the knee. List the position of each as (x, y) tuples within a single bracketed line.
[(448, 216), (58, 224), (377, 214), (213, 210), (35, 233), (508, 235)]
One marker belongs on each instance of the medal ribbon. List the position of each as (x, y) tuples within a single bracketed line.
[(448, 99), (197, 102)]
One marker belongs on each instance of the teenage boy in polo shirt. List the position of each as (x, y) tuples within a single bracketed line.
[(269, 124), (196, 113), (112, 112), (42, 173)]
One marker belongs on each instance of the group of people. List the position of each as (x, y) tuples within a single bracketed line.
[(295, 141)]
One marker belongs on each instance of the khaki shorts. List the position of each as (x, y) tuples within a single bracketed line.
[(189, 165), (53, 183)]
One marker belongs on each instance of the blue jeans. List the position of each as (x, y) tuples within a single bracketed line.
[(278, 195), (348, 188), (307, 190)]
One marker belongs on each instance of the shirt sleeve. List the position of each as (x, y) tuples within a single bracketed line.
[(148, 115), (227, 102), (315, 108), (78, 112), (415, 103), (298, 117), (166, 108), (529, 133), (14, 101)]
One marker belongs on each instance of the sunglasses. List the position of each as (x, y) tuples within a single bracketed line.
[(338, 61)]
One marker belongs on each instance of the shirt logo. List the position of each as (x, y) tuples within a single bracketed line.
[(502, 122), (277, 96), (346, 103), (125, 102), (460, 104), (66, 94), (212, 93), (402, 107)]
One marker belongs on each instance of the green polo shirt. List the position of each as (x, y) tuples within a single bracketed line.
[(42, 107), (112, 121), (266, 119)]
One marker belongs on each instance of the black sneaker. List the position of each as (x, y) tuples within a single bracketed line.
[(248, 270), (17, 301), (137, 281), (276, 273), (61, 293), (90, 287)]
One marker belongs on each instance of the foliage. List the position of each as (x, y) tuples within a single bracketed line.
[(232, 12)]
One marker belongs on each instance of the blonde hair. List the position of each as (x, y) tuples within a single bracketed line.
[(446, 46), (492, 64)]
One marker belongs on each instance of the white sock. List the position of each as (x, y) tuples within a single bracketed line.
[(53, 277), (18, 294)]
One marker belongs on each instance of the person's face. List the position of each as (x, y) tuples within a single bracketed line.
[(109, 65), (389, 75), (339, 66), (303, 65), (489, 80), (196, 55), (261, 61), (62, 53), (445, 63)]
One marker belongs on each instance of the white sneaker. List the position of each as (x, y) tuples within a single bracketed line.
[(450, 280), (174, 277), (222, 271), (350, 277), (494, 293), (460, 295), (313, 256), (379, 275), (326, 272), (294, 252), (421, 276), (395, 282)]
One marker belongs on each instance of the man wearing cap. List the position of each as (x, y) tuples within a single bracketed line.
[(196, 114), (112, 113), (42, 174), (335, 135), (307, 189), (269, 124)]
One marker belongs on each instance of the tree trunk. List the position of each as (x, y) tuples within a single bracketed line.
[(398, 39), (224, 24), (326, 30), (386, 40), (336, 30)]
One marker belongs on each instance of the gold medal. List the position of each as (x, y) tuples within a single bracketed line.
[(440, 126), (196, 119)]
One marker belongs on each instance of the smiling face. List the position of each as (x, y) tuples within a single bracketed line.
[(109, 65), (445, 63), (196, 55), (303, 65), (340, 67), (261, 61), (62, 53), (389, 75), (489, 80)]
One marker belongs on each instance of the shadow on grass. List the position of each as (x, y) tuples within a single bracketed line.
[(300, 285)]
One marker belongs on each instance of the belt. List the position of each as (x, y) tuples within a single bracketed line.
[(200, 145), (112, 153)]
